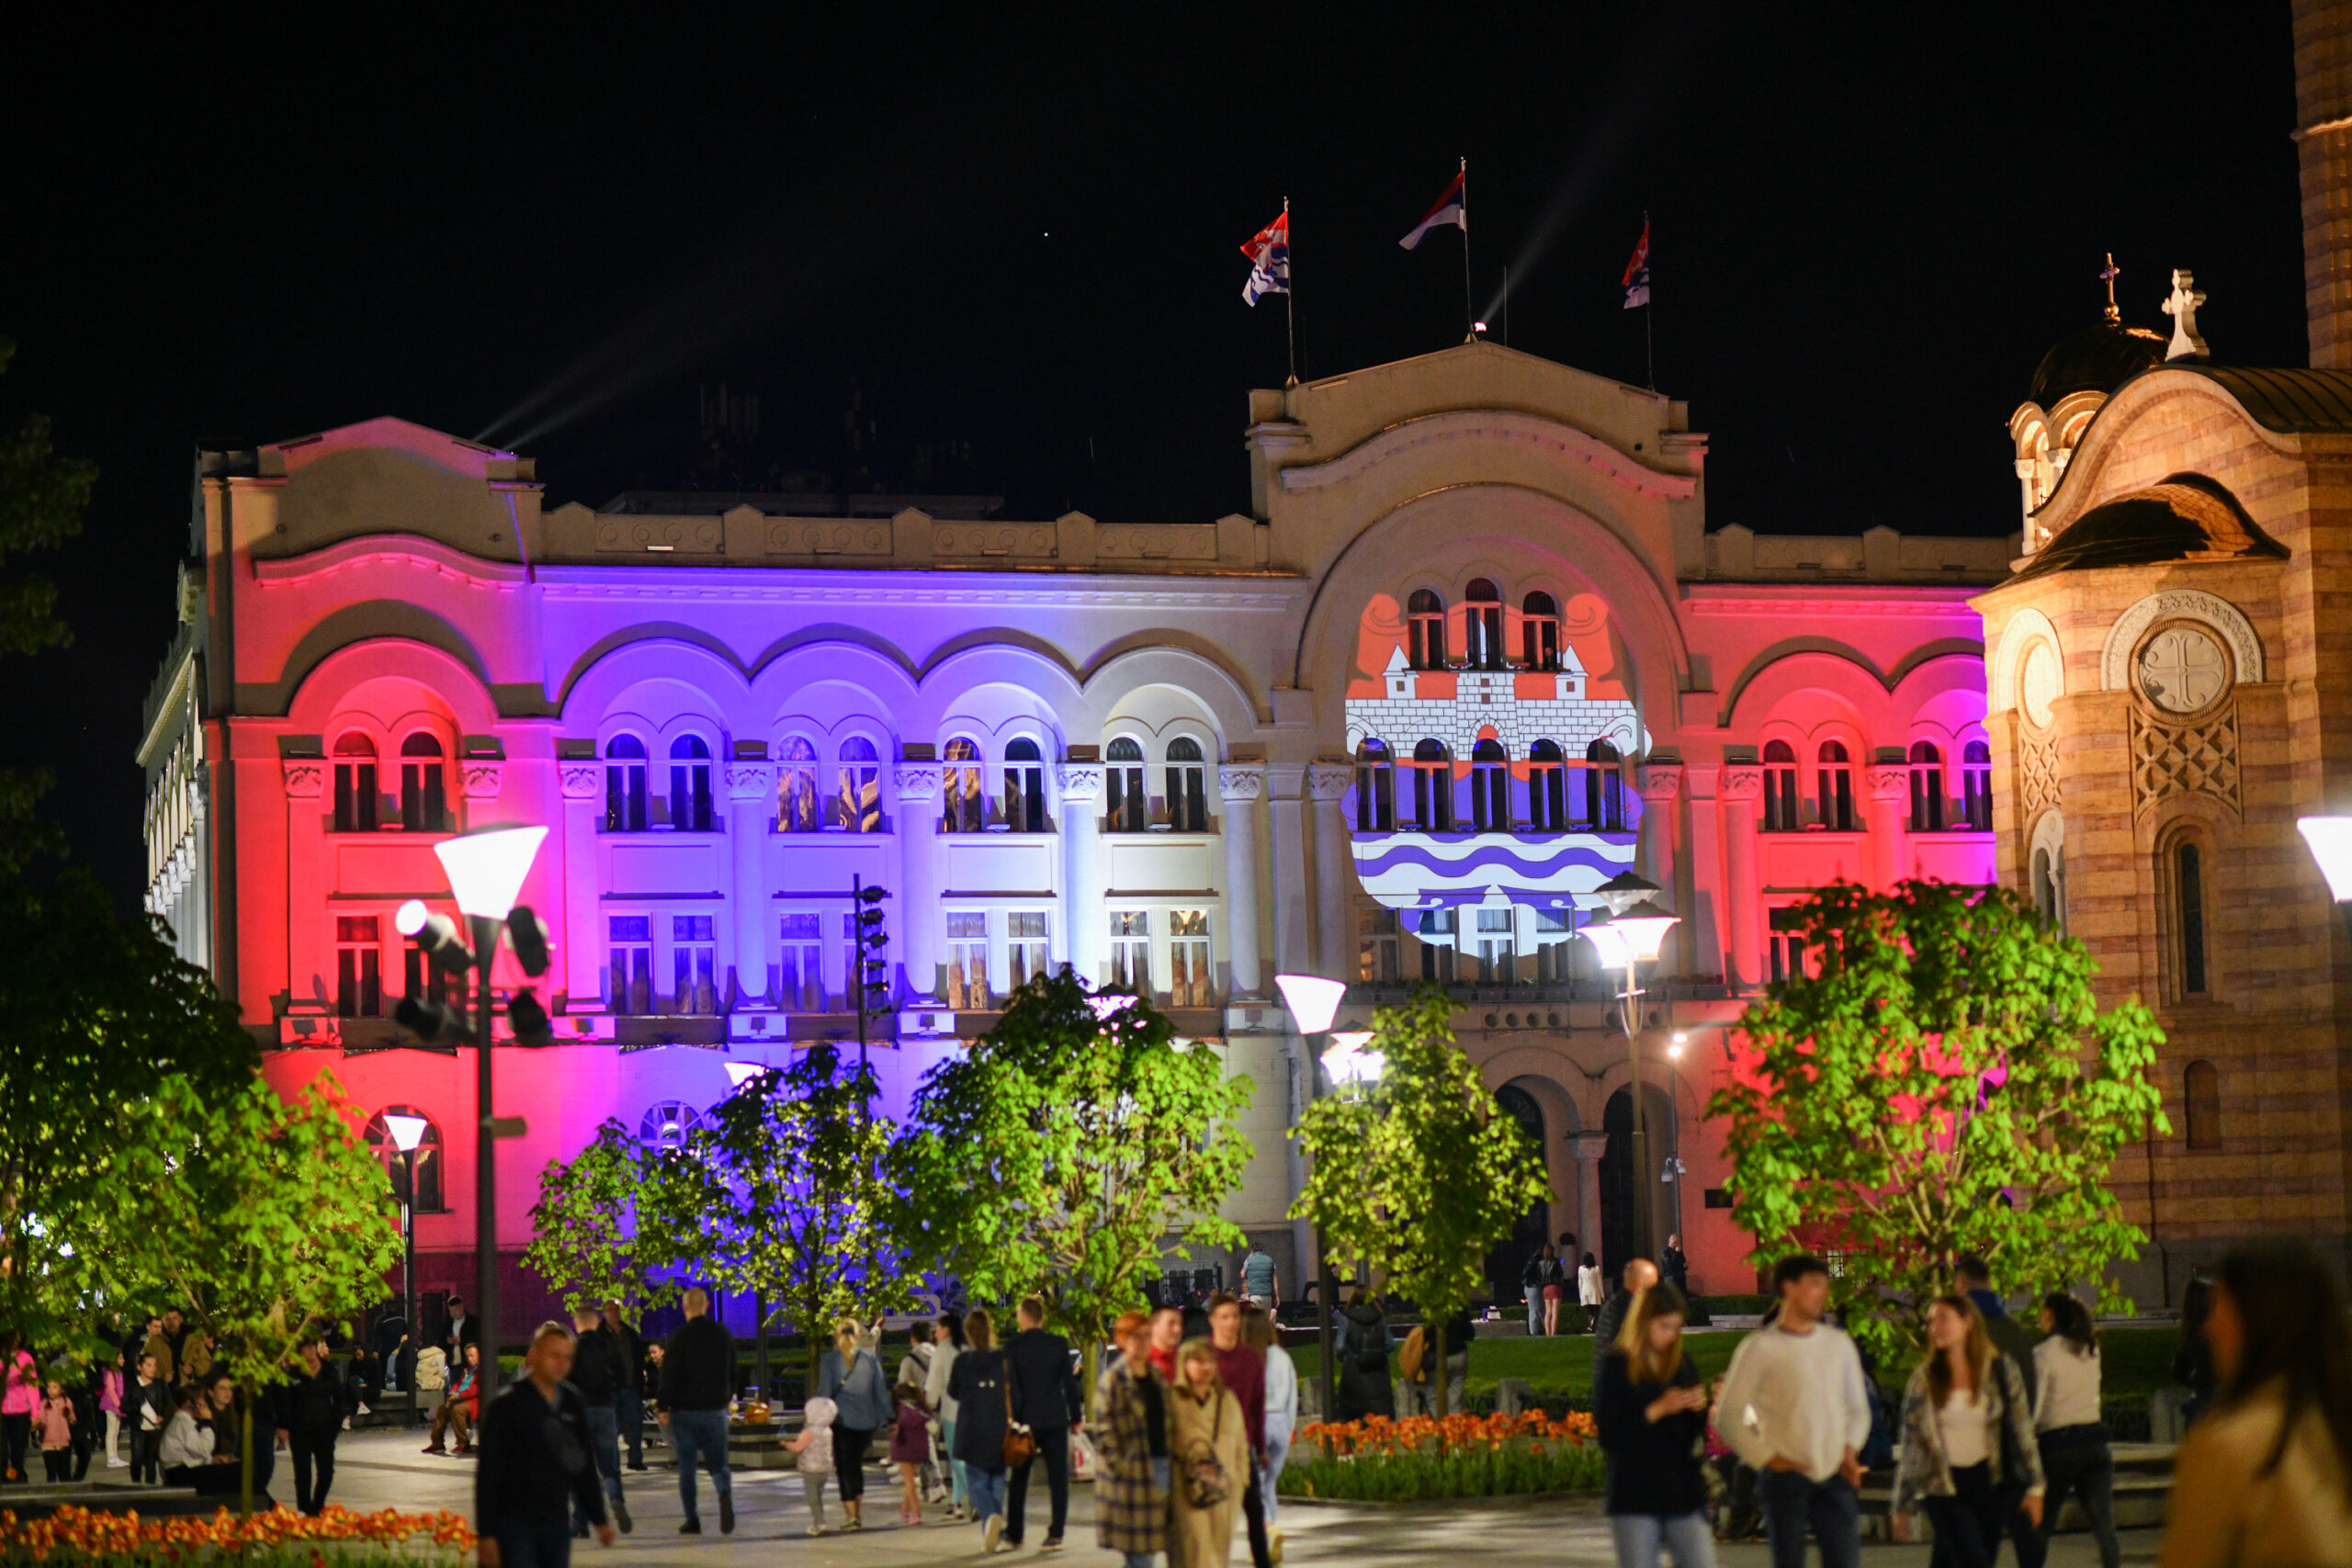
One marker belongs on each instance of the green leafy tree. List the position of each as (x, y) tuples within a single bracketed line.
[(1422, 1174), (272, 1221), (1064, 1155), (42, 497), (1938, 1080), (585, 1228)]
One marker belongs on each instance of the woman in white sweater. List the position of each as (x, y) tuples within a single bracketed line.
[(2075, 1452), (946, 1343)]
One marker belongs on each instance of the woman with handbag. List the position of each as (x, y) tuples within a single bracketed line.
[(983, 1396), (1211, 1446), (1968, 1445), (851, 1376)]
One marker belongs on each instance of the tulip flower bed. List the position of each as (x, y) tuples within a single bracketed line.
[(1377, 1460), (79, 1538)]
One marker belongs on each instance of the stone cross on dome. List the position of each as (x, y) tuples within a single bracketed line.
[(2182, 308), (2110, 275)]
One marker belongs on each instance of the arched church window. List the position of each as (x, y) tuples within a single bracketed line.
[(1547, 790), (1927, 787), (667, 1125), (1784, 812), (795, 786), (966, 805), (1490, 787), (1375, 788), (1433, 787), (1837, 787), (1025, 786), (2188, 905), (1425, 630), (1976, 785), (1130, 807), (423, 786), (2201, 1098), (2048, 900), (1539, 631), (689, 784), (1604, 787), (625, 804), (860, 804), (1483, 626), (1188, 805), (387, 1149), (354, 785)]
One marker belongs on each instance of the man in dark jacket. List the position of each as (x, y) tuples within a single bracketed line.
[(698, 1384), (534, 1463), (1045, 1398), (628, 1404), (311, 1408), (1639, 1276), (597, 1373)]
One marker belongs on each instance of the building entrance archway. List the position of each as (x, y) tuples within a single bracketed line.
[(1530, 1230), (1621, 1186)]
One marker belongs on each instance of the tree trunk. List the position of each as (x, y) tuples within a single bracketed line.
[(1437, 1373), (1090, 1369), (245, 1480)]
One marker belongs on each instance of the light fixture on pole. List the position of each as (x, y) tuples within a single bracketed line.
[(1632, 936), (407, 1132), (2330, 839), (741, 1073), (1314, 1001), (1347, 1060)]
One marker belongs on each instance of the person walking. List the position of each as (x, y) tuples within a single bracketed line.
[(1555, 1290), (812, 1452), (1262, 1334), (2076, 1453), (1131, 1501), (150, 1411), (909, 1447), (984, 1409), (54, 1422), (1640, 1275), (2265, 1479), (1675, 1265), (1046, 1399), (111, 1393), (1793, 1406), (598, 1372), (1260, 1283), (629, 1399), (1589, 1294), (19, 1402), (1651, 1412), (311, 1409), (1531, 1287), (1209, 1434), (1974, 1278), (534, 1463), (2193, 1361), (851, 1376), (1362, 1342), (946, 1344), (1242, 1372), (1968, 1443), (698, 1384)]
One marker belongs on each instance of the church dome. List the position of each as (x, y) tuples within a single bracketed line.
[(2100, 358), (2186, 518)]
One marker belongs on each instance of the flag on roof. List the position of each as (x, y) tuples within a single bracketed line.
[(1268, 253), (1449, 210), (1637, 271)]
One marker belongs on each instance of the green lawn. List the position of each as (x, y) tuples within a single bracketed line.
[(2137, 1361)]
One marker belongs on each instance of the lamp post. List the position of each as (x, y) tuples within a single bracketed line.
[(1313, 1000), (1674, 1171), (1632, 936), (407, 1132)]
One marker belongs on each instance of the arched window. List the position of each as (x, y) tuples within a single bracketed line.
[(795, 786), (1024, 787), (2049, 883), (625, 808), (1539, 631), (1927, 787), (1130, 808), (1976, 785), (689, 784), (860, 798), (2201, 1097), (1547, 787), (1784, 812), (1433, 787), (1188, 801), (354, 785), (1490, 787), (1604, 788), (667, 1125), (423, 786), (2188, 902), (1837, 787), (1425, 628), (967, 810), (387, 1148), (1375, 788), (1483, 626)]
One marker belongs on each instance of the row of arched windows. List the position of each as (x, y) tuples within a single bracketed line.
[(1484, 634), (1429, 795), (1933, 807), (423, 785)]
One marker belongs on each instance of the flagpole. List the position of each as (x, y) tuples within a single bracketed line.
[(1649, 311), (1290, 296), (1469, 311)]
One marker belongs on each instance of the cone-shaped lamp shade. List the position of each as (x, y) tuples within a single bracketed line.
[(1632, 937), (1312, 1000), (486, 870), (741, 1073), (2331, 842), (407, 1131), (1347, 1060), (1624, 890)]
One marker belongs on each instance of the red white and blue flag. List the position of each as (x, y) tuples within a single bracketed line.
[(1451, 211), (1637, 271), (1268, 253)]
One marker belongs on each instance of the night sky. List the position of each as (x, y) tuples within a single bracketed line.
[(1002, 244)]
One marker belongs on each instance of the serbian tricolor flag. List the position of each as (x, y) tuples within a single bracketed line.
[(1448, 212), (1637, 271), (1268, 253)]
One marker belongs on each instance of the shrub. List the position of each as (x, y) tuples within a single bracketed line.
[(80, 1537), (1463, 1456)]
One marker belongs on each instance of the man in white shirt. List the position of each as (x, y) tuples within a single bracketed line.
[(1793, 1406)]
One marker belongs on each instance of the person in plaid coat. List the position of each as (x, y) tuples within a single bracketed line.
[(1131, 1491)]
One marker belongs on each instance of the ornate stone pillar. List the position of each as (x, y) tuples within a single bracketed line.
[(581, 942), (915, 792), (1294, 920), (1081, 787), (1889, 814), (1587, 1148), (1702, 916), (1744, 958), (1334, 870), (1660, 785), (1241, 786), (750, 797)]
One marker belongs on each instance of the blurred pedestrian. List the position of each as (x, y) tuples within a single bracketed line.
[(310, 1410), (909, 1447), (1362, 1342), (1259, 1331), (598, 1371), (1651, 1412), (946, 1344), (628, 1401), (2077, 1455), (697, 1385), (977, 1382), (1046, 1397), (54, 1422), (1793, 1406), (1554, 1288), (534, 1464), (1969, 1453), (812, 1452), (1639, 1275), (111, 1396), (851, 1376), (1242, 1372), (1131, 1496), (150, 1411), (19, 1402), (1211, 1441)]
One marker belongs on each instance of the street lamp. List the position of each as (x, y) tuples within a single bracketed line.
[(2330, 839), (407, 1132), (1675, 1170), (1313, 1002), (1630, 937)]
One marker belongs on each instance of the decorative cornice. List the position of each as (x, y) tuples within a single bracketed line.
[(582, 781), (1078, 783), (1489, 425), (1241, 785), (306, 778), (914, 785), (1659, 780), (1741, 784), (1326, 784), (1890, 783), (750, 781), (482, 779)]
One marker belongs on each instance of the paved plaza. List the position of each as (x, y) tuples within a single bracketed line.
[(377, 1470)]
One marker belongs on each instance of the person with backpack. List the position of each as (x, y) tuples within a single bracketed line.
[(1211, 1441), (1363, 1341), (311, 1408)]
